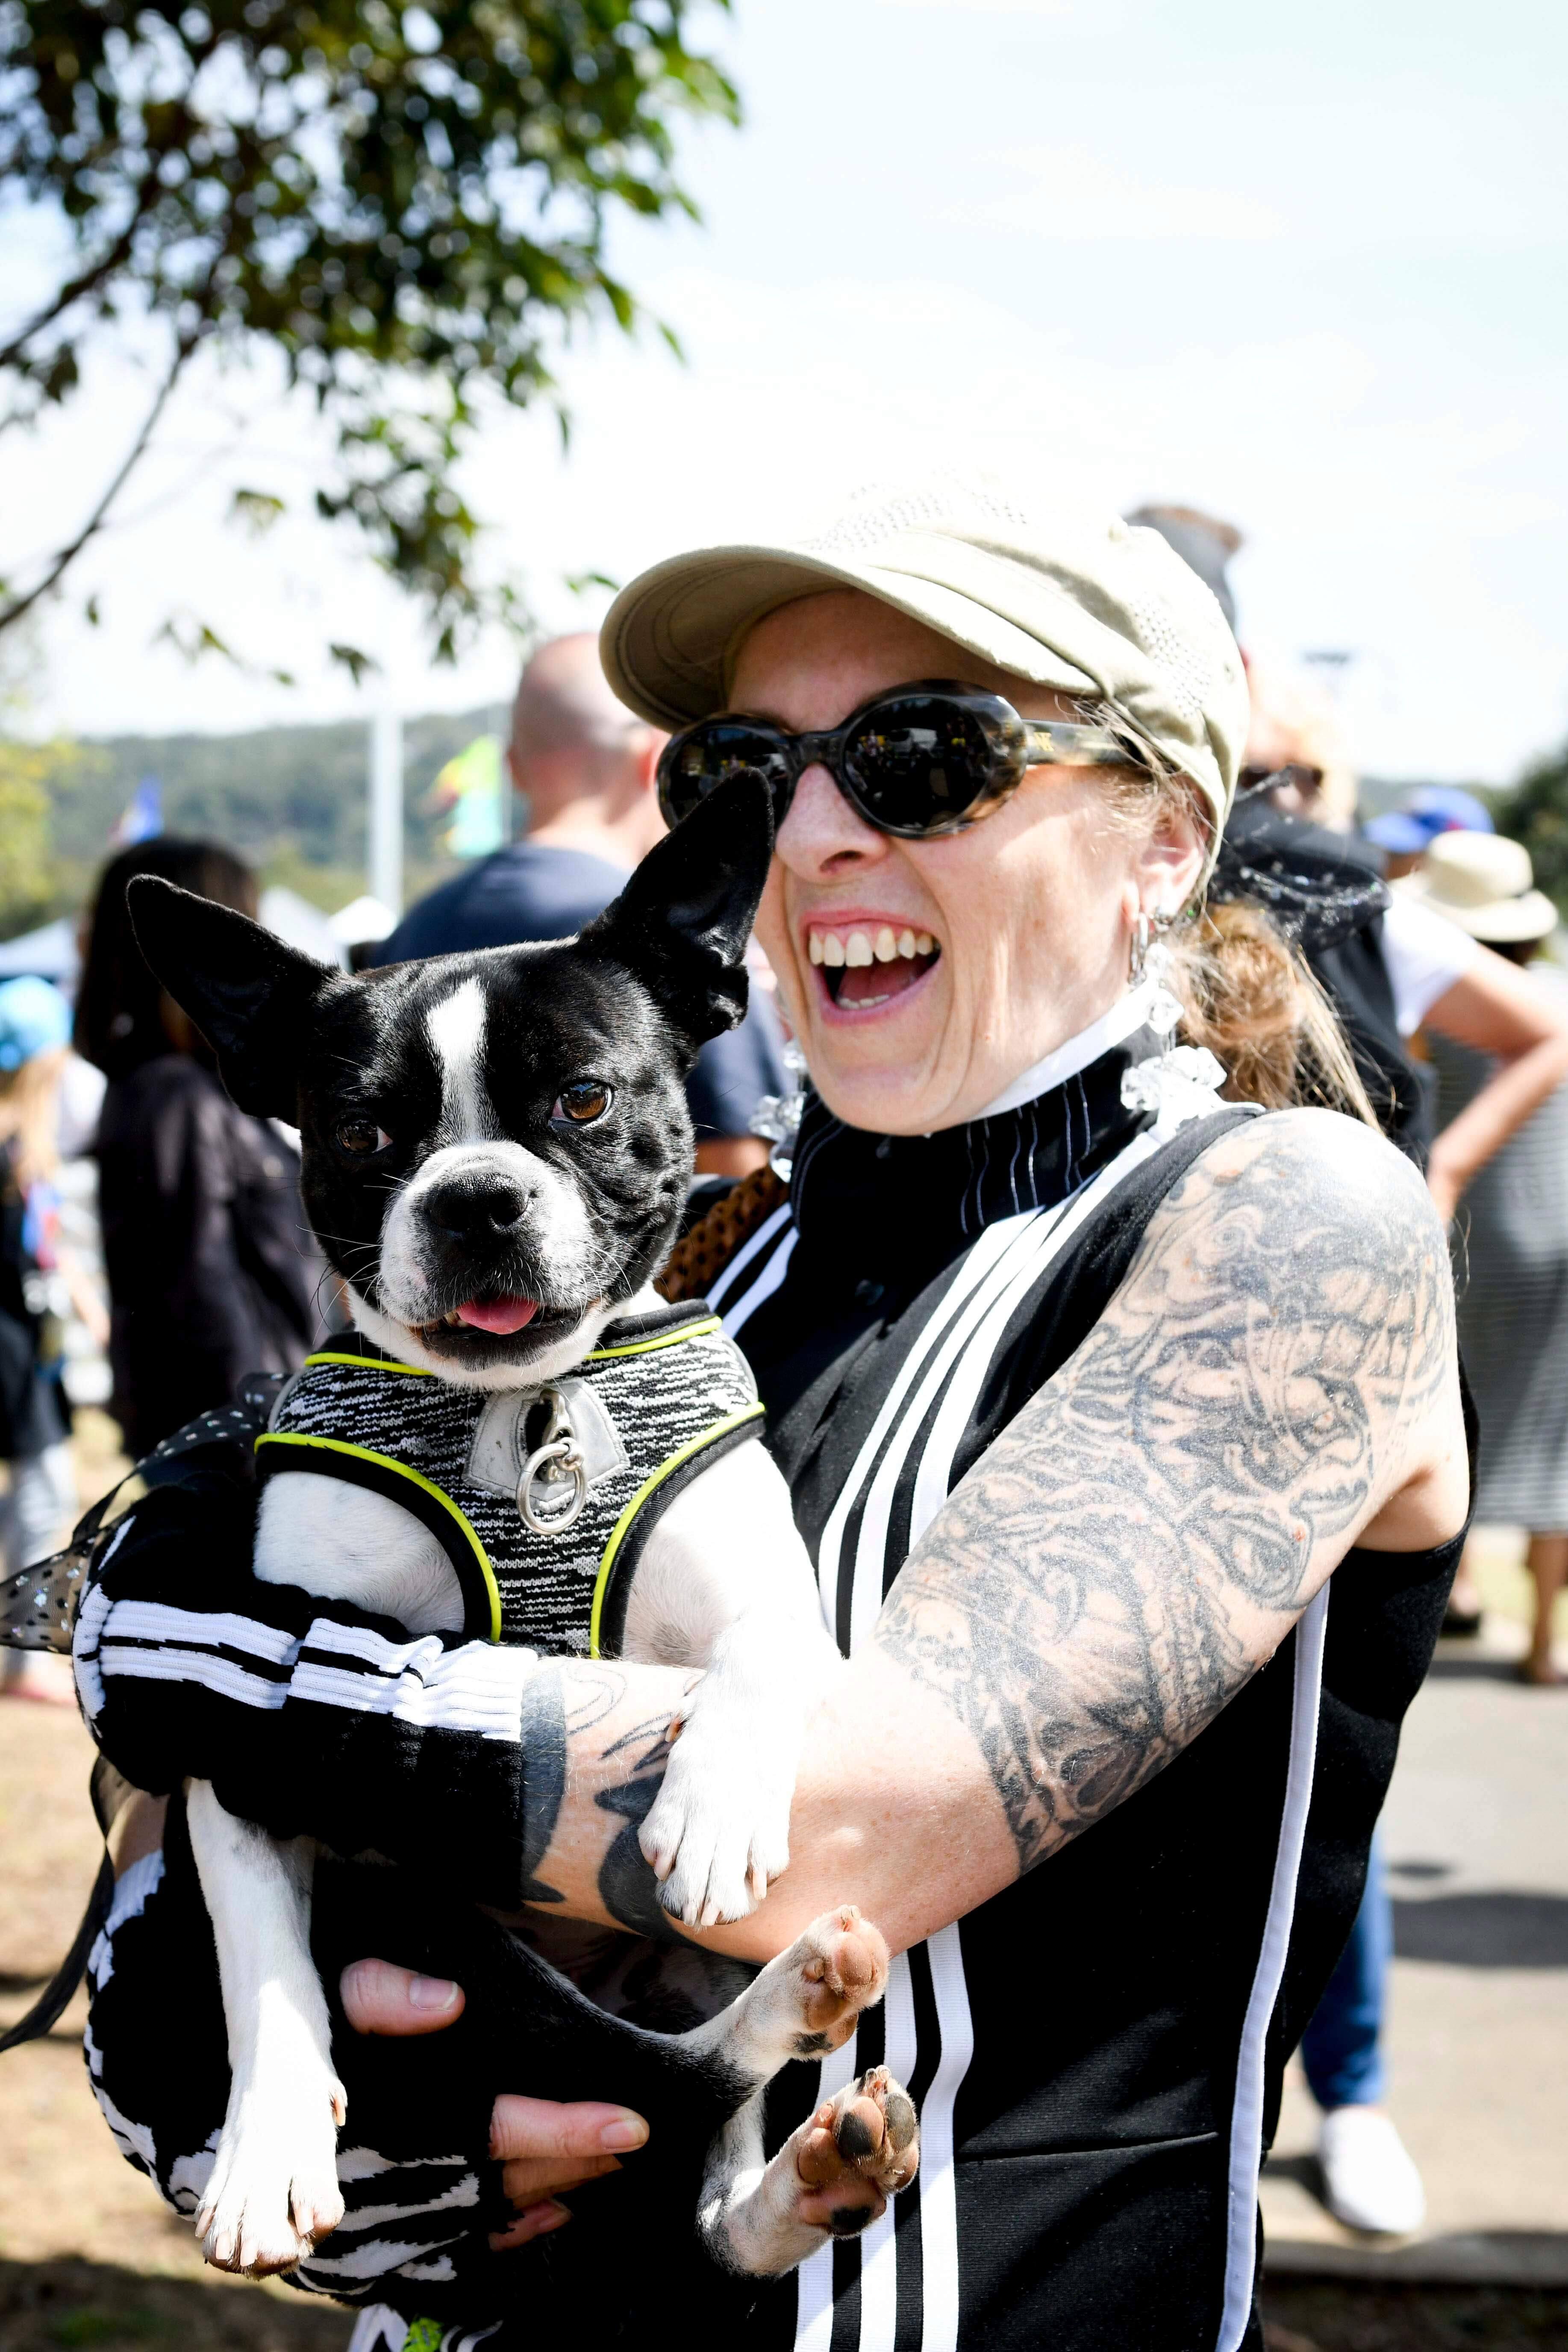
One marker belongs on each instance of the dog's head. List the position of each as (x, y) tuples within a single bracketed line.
[(496, 1146)]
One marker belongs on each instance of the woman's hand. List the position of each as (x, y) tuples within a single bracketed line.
[(544, 2146)]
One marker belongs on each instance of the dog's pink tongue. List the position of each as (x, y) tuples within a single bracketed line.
[(499, 1314)]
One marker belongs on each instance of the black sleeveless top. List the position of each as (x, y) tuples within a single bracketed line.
[(1096, 2052)]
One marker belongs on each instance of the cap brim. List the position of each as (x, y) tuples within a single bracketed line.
[(1502, 922), (668, 639)]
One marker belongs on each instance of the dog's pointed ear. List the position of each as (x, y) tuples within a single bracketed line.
[(682, 921), (247, 991)]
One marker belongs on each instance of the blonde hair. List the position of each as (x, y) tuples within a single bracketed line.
[(1246, 992), (29, 1115)]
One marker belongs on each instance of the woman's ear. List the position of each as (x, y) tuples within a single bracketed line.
[(1171, 860)]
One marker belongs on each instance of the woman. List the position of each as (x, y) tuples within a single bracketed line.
[(1084, 1384), (202, 1230), (1513, 1285)]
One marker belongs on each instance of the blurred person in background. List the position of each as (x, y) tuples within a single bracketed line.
[(1405, 834), (209, 1264), (1512, 1258), (39, 1501), (586, 766)]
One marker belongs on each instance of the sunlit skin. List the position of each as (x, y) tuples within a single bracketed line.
[(1032, 908)]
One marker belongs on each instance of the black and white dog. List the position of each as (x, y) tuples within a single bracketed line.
[(496, 1151)]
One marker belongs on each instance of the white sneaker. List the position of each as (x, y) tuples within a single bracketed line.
[(1369, 2179)]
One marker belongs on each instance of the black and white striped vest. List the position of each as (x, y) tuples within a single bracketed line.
[(595, 1456)]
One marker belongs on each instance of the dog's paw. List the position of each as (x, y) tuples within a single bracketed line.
[(834, 1969), (273, 2191), (716, 1835), (857, 2150), (808, 2001)]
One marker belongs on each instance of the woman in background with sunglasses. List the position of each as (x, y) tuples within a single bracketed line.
[(1085, 1380)]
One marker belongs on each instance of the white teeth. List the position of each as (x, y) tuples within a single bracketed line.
[(861, 947)]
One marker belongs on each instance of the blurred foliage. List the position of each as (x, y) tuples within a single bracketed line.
[(36, 780), (1536, 813), (289, 799), (410, 207)]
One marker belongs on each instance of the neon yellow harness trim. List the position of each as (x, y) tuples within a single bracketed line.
[(618, 1533), (372, 1364), (663, 1340), (386, 1462)]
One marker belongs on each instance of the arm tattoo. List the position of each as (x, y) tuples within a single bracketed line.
[(543, 1742), (1135, 1544), (628, 1887)]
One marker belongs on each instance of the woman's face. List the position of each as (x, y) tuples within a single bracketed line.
[(1028, 915)]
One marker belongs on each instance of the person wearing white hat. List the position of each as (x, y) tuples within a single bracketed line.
[(1513, 1290), (1090, 1386)]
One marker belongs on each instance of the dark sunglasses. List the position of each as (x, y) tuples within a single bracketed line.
[(920, 760)]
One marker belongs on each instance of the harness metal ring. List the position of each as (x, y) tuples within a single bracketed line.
[(561, 1450)]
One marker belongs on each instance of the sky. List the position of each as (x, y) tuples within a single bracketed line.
[(1304, 269)]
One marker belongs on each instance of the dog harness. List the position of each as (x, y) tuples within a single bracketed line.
[(542, 1498)]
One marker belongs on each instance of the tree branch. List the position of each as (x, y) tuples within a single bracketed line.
[(60, 562), (107, 262)]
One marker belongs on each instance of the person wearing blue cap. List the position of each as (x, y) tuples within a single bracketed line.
[(40, 1496), (1405, 834)]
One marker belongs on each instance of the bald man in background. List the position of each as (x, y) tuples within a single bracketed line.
[(586, 768)]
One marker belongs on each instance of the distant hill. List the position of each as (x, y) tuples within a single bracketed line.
[(289, 799)]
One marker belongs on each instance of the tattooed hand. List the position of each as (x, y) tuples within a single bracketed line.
[(1279, 1366)]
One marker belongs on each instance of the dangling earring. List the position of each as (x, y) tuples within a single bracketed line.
[(1149, 960)]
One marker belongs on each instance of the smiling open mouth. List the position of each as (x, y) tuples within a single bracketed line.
[(868, 964)]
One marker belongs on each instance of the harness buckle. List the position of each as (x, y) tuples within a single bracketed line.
[(556, 1464)]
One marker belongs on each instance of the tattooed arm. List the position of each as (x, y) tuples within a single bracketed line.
[(1275, 1380)]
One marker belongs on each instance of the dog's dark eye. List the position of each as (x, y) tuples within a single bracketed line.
[(361, 1137), (583, 1101)]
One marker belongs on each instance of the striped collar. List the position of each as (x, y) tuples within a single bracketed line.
[(900, 1207)]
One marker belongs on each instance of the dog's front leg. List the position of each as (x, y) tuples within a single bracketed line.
[(837, 2172), (273, 2189), (725, 1583), (717, 1834)]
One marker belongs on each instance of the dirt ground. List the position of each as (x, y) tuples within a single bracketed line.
[(90, 2258)]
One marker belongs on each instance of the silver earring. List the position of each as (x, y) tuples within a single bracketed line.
[(1138, 954)]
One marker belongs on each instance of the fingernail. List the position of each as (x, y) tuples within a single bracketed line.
[(550, 2217), (627, 2131), (431, 1993)]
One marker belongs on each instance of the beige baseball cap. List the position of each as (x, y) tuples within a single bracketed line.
[(1484, 883), (1083, 602)]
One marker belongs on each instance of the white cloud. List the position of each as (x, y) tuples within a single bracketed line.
[(1069, 192)]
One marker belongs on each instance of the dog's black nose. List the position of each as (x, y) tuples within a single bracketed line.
[(476, 1210)]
